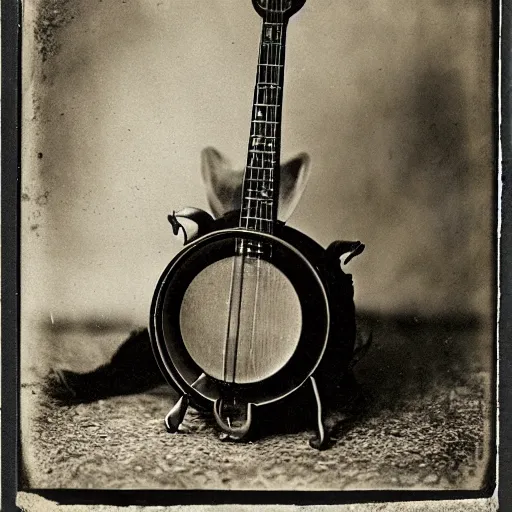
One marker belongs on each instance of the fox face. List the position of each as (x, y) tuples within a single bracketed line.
[(224, 185)]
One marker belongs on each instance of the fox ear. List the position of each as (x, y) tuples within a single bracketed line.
[(293, 180), (221, 182)]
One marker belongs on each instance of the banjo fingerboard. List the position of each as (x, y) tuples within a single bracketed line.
[(260, 189)]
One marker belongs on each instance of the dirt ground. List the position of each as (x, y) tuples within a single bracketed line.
[(425, 424)]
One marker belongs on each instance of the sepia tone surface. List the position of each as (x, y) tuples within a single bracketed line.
[(393, 102)]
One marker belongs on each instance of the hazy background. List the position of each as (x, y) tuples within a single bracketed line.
[(391, 98)]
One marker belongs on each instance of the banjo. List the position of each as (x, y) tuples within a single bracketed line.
[(251, 310)]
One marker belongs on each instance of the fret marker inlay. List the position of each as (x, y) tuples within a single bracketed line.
[(261, 179)]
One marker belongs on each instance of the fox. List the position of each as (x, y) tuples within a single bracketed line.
[(120, 376)]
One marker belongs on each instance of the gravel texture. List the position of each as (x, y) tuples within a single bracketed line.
[(425, 425)]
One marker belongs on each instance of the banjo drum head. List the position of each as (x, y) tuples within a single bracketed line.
[(241, 319)]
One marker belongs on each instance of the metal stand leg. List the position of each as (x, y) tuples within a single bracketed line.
[(176, 414), (321, 441)]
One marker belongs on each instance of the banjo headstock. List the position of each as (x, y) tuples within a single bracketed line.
[(279, 8)]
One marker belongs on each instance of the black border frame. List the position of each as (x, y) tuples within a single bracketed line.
[(11, 167), (504, 393), (12, 478)]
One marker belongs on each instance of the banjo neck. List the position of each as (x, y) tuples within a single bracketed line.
[(260, 188)]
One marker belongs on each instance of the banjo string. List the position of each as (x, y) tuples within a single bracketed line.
[(276, 16)]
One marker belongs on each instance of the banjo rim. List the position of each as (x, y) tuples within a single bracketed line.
[(160, 348)]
